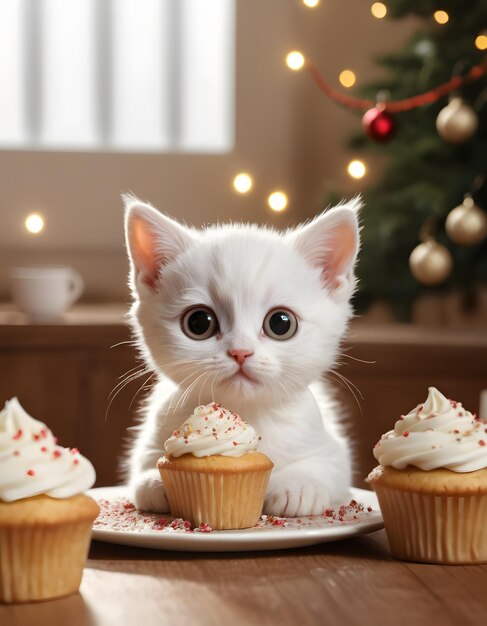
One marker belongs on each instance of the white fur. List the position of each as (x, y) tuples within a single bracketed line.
[(241, 272)]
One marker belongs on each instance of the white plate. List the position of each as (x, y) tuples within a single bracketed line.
[(305, 531)]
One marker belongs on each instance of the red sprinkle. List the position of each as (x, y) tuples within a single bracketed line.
[(481, 442), (17, 453), (405, 433), (75, 461), (456, 431), (235, 443), (44, 433), (36, 437), (43, 449), (56, 454), (205, 528), (18, 434), (31, 473), (74, 450)]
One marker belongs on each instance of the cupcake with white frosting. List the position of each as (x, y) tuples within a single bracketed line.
[(432, 483), (212, 471), (45, 520)]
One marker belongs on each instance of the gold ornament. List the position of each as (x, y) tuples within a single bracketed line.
[(430, 262), (466, 224), (457, 122)]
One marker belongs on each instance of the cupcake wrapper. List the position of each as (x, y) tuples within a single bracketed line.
[(435, 529), (222, 500), (39, 563)]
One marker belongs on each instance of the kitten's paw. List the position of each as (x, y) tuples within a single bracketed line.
[(148, 492), (295, 498)]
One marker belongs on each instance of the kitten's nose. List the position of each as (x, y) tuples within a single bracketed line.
[(240, 355)]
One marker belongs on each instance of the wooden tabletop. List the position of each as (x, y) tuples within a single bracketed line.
[(346, 583)]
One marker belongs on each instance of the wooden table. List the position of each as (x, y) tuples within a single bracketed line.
[(347, 583)]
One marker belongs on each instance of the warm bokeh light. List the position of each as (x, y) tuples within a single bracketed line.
[(356, 169), (243, 182), (441, 17), (378, 10), (311, 3), (481, 42), (295, 60), (34, 223), (347, 78), (277, 201)]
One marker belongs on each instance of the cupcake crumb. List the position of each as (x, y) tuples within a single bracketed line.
[(120, 514)]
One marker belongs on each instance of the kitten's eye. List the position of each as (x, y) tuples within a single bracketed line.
[(199, 323), (280, 324)]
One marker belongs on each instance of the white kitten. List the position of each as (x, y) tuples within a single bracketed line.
[(249, 318)]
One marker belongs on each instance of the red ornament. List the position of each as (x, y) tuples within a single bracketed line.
[(378, 124)]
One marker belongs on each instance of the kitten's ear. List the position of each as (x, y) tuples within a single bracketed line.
[(153, 240), (331, 242)]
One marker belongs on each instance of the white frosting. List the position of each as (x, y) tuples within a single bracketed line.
[(438, 433), (32, 463), (212, 430)]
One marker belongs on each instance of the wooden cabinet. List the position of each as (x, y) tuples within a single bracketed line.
[(63, 374)]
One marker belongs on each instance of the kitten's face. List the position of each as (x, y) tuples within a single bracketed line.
[(240, 312)]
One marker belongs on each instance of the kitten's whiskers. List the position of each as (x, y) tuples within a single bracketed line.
[(123, 383), (141, 388), (354, 358), (350, 386)]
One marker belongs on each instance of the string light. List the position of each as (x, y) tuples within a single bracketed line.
[(295, 60), (311, 3), (441, 17), (243, 182), (347, 78), (378, 10), (481, 42), (356, 169), (277, 201), (34, 223)]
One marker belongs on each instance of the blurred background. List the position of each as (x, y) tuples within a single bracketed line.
[(198, 108), (169, 100)]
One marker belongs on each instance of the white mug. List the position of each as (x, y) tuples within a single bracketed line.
[(44, 293)]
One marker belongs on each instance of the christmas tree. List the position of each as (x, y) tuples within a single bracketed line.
[(429, 169)]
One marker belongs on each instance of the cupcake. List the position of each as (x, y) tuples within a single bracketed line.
[(45, 520), (432, 483), (212, 471)]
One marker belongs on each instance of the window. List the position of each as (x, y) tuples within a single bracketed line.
[(123, 75)]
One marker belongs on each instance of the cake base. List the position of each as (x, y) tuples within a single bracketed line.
[(43, 546), (223, 492), (438, 516)]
